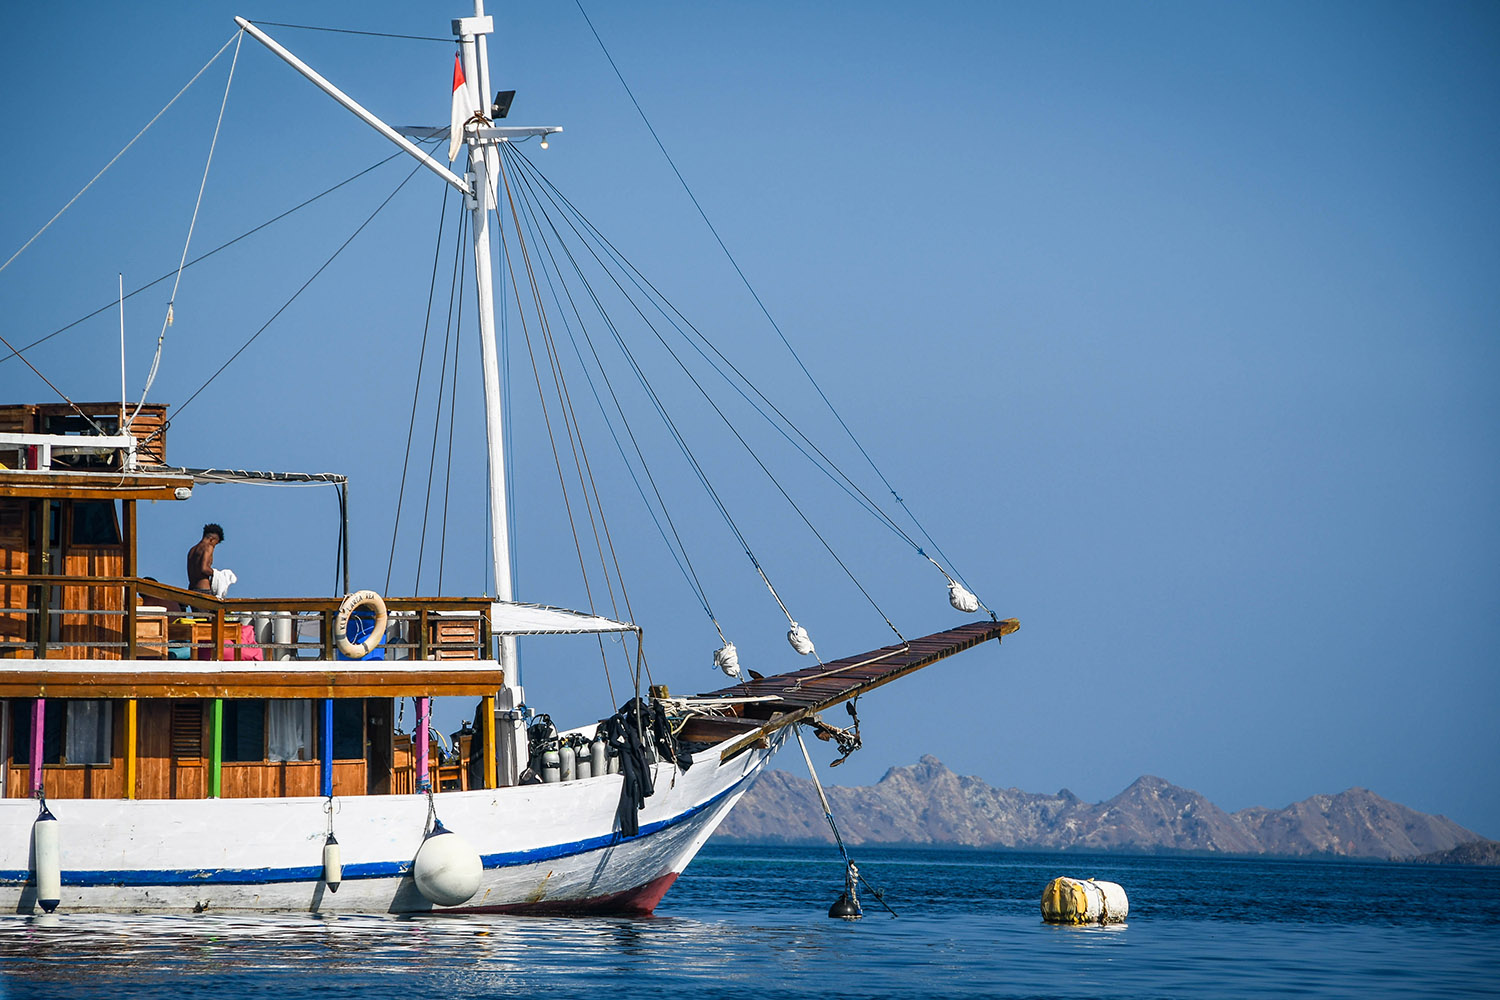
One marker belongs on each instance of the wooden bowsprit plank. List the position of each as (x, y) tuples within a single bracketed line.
[(803, 693)]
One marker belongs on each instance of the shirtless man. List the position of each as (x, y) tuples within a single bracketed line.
[(200, 559)]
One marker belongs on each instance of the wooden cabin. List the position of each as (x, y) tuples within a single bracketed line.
[(122, 693)]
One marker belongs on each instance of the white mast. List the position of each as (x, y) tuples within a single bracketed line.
[(478, 188), (483, 169), (483, 175)]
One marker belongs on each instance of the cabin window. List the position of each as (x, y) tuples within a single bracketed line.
[(288, 729), (75, 731), (94, 523), (257, 729), (348, 729), (89, 735), (244, 733)]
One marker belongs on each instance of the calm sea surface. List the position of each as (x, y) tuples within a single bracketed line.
[(751, 921)]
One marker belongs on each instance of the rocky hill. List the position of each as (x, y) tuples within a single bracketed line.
[(926, 803), (1475, 852)]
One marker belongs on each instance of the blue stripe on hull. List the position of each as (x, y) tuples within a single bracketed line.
[(369, 870)]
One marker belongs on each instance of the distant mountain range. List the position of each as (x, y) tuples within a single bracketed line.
[(926, 803)]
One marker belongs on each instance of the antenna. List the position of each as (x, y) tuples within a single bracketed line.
[(123, 403)]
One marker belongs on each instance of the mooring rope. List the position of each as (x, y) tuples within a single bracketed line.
[(852, 873)]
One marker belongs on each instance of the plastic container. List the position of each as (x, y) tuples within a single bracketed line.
[(1084, 901)]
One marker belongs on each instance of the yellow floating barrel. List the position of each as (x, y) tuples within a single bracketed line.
[(1084, 901)]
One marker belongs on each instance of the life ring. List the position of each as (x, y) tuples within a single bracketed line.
[(359, 599)]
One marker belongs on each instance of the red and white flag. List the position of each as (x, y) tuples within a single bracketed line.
[(460, 109)]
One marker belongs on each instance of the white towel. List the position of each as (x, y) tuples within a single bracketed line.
[(221, 581)]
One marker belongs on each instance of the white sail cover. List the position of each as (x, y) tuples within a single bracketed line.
[(515, 618)]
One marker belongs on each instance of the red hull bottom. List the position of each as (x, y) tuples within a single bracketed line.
[(637, 902)]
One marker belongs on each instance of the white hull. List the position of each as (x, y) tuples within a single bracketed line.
[(545, 848)]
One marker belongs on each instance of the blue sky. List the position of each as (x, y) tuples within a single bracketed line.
[(1174, 323)]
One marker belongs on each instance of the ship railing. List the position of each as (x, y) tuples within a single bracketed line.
[(90, 618)]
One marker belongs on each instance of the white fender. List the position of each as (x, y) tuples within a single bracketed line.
[(358, 599), (48, 859), (446, 869), (333, 864)]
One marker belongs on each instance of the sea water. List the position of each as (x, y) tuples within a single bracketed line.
[(752, 922)]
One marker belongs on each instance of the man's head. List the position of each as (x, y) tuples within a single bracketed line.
[(213, 531)]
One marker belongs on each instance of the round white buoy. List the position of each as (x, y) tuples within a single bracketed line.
[(333, 864), (46, 850), (446, 869), (1084, 901)]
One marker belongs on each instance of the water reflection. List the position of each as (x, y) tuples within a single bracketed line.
[(754, 922)]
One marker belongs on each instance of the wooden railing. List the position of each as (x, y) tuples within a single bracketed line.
[(128, 620)]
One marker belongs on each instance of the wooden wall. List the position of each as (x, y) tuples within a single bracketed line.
[(82, 633), (14, 559), (173, 748)]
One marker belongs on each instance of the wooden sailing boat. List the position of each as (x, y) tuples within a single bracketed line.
[(171, 750)]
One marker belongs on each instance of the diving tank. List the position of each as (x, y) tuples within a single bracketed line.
[(599, 757), (566, 759)]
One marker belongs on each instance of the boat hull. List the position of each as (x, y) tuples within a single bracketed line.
[(544, 848)]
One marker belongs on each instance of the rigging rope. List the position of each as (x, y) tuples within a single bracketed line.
[(677, 550), (351, 31), (822, 462), (122, 152), (192, 224), (458, 333), (764, 310), (587, 484), (454, 289), (411, 426), (708, 398), (660, 408), (324, 266), (546, 417), (54, 388), (114, 303)]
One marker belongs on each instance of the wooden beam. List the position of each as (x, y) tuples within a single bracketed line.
[(487, 709), (423, 741), (803, 693), (91, 485), (44, 595), (216, 749), (465, 684), (327, 757), (38, 724), (130, 747)]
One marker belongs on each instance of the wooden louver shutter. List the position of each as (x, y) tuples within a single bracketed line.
[(187, 730)]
